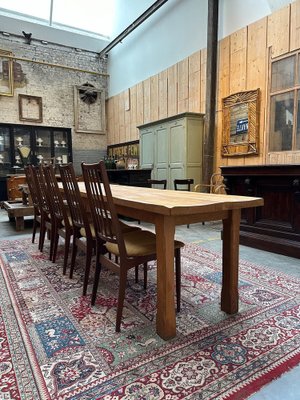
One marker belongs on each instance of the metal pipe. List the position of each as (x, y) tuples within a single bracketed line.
[(57, 65), (131, 27)]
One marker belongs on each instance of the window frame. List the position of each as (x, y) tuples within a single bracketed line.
[(295, 89)]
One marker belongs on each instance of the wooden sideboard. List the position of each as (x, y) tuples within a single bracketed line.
[(274, 227), (131, 177)]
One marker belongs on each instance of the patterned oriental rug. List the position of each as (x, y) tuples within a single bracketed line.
[(54, 345)]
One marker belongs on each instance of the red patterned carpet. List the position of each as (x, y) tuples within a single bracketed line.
[(54, 345)]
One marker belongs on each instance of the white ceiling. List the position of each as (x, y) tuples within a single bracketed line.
[(85, 40), (51, 34), (85, 24)]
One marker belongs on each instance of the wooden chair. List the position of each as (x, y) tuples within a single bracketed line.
[(216, 185), (34, 197), (83, 229), (46, 222), (186, 183), (131, 249), (62, 223), (183, 184), (156, 182)]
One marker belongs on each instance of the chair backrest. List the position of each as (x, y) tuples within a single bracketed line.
[(54, 195), (32, 186), (186, 183), (104, 214), (41, 189), (161, 182), (75, 202), (217, 184)]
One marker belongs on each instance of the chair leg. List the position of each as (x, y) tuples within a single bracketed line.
[(42, 235), (136, 272), (145, 275), (34, 228), (122, 287), (96, 277), (178, 277), (52, 239), (55, 244), (74, 253), (66, 254), (88, 258)]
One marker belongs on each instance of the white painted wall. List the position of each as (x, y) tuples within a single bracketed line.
[(172, 33)]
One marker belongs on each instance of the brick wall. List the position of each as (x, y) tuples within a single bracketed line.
[(56, 87)]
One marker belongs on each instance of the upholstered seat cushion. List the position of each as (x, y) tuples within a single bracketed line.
[(138, 243), (83, 231)]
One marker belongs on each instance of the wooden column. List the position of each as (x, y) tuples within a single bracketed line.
[(211, 83)]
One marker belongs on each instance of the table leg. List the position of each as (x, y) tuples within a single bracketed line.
[(231, 236), (19, 223), (166, 318)]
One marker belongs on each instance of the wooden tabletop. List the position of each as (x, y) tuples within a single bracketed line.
[(172, 202)]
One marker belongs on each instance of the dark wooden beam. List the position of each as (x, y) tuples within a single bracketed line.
[(211, 85)]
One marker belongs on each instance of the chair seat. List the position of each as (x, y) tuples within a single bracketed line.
[(138, 243)]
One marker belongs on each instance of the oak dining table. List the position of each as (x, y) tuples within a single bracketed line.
[(168, 208)]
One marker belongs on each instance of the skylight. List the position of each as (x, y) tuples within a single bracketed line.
[(90, 16)]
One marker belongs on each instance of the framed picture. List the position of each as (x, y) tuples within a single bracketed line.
[(30, 108), (241, 123), (6, 74)]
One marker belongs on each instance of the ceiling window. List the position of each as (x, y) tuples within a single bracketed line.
[(88, 16), (284, 132)]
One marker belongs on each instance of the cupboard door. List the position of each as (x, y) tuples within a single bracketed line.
[(5, 153), (42, 151), (60, 146), (177, 149), (161, 152), (21, 137), (147, 148)]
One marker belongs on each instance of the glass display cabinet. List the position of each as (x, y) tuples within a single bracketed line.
[(22, 144)]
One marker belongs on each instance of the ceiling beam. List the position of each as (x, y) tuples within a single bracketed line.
[(133, 26)]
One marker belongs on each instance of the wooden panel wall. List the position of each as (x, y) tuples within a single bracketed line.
[(295, 26), (194, 82), (243, 64)]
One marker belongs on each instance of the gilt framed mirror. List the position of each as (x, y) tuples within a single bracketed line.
[(241, 123)]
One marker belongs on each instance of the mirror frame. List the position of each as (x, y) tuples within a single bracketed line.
[(250, 145)]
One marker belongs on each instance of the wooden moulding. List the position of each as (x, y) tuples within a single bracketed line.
[(241, 124), (30, 108)]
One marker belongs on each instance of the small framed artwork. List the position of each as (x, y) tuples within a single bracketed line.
[(6, 74), (30, 108)]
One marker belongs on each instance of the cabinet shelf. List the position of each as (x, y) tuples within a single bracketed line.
[(31, 136)]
